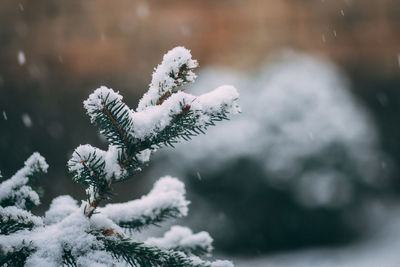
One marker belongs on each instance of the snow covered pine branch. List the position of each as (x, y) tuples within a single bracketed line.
[(89, 235)]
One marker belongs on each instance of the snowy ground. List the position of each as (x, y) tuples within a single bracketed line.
[(381, 248)]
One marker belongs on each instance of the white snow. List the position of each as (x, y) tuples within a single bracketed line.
[(60, 207), (144, 156), (80, 157), (98, 259), (224, 98), (167, 193), (182, 237), (98, 98), (20, 215), (112, 167), (221, 263), (16, 187), (217, 263), (66, 226), (83, 153), (152, 119), (72, 232), (162, 81), (111, 170)]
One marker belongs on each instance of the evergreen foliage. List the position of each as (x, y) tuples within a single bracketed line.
[(89, 235)]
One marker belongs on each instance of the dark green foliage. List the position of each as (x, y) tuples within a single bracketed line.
[(158, 217), (98, 169), (68, 258), (35, 172), (18, 190), (130, 163), (16, 258), (184, 126), (9, 225), (114, 121), (181, 75), (10, 201), (197, 250), (93, 169), (138, 254)]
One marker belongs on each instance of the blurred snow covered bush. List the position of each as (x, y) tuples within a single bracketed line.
[(292, 166)]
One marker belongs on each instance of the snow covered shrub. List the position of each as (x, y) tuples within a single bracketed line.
[(89, 235), (302, 154)]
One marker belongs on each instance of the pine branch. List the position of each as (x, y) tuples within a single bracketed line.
[(8, 226), (13, 219), (138, 254), (68, 259), (155, 219), (15, 258), (110, 115), (183, 239), (165, 115), (60, 208), (17, 191), (175, 70), (165, 200), (195, 250), (87, 165), (165, 125), (184, 127), (20, 198)]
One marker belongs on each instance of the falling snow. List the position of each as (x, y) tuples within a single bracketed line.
[(21, 58), (142, 10), (398, 59), (26, 119)]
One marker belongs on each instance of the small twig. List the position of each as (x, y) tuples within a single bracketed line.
[(163, 98), (86, 166), (185, 110), (182, 70), (115, 124), (96, 202)]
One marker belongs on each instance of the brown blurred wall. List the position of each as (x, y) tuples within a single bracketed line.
[(127, 38)]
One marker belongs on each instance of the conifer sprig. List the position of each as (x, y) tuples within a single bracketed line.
[(17, 191), (13, 219), (73, 235), (110, 115)]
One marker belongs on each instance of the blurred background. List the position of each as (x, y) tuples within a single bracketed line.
[(311, 163)]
